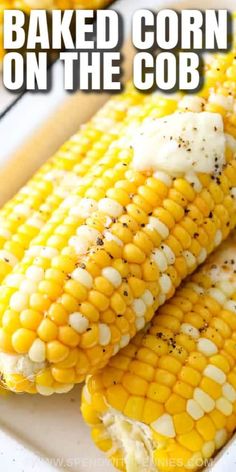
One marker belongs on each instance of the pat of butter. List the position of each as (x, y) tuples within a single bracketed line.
[(180, 143)]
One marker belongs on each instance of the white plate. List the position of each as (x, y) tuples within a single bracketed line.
[(47, 434)]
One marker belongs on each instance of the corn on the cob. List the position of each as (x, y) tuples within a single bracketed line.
[(107, 258), (167, 401), (23, 216), (27, 5)]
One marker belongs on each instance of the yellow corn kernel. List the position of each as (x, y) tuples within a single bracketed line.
[(22, 340), (50, 288), (108, 316), (170, 365), (137, 213), (151, 411), (63, 263), (183, 389), (134, 408), (65, 376), (90, 416), (44, 378), (90, 337), (103, 444), (70, 361), (174, 209), (99, 300), (82, 363), (197, 361), (158, 392), (133, 254), (150, 271), (190, 376), (39, 302), (117, 303), (58, 314), (74, 288), (192, 441), (47, 330), (147, 357), (56, 352), (30, 319), (230, 424), (206, 428), (221, 362), (218, 419), (141, 369), (103, 285), (117, 397), (183, 423), (135, 384), (174, 245), (175, 404), (68, 336), (212, 388), (115, 334), (137, 286), (142, 241), (11, 321), (89, 311)]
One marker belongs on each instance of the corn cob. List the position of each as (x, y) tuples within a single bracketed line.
[(167, 401), (27, 5), (89, 281), (24, 216)]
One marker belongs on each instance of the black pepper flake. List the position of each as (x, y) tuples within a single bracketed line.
[(99, 242), (82, 266)]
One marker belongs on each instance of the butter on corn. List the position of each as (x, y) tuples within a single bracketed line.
[(114, 250), (167, 401)]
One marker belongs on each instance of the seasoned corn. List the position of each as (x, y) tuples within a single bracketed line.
[(24, 216), (167, 401), (111, 254)]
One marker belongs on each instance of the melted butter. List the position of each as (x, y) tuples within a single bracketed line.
[(181, 143), (221, 265)]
